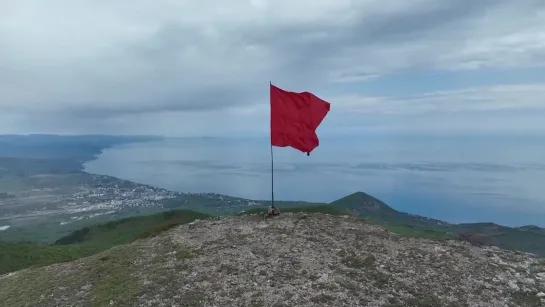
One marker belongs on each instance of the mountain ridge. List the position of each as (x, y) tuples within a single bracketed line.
[(365, 206), (380, 205), (527, 239), (295, 259)]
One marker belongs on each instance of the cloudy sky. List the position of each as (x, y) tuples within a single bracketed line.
[(203, 67)]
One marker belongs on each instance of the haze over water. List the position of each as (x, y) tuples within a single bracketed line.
[(457, 179)]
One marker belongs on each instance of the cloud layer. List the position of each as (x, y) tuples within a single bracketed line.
[(102, 66)]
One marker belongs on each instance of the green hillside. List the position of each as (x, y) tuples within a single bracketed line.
[(91, 240), (130, 229)]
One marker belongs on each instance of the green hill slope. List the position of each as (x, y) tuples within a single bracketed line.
[(91, 240), (130, 229)]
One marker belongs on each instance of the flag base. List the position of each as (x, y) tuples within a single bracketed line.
[(273, 211)]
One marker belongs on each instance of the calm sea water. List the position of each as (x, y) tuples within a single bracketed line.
[(457, 179)]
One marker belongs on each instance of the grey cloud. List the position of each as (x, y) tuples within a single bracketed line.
[(491, 98), (212, 98), (413, 24), (319, 45), (199, 56)]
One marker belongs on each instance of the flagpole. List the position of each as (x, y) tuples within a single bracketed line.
[(272, 177), (272, 158)]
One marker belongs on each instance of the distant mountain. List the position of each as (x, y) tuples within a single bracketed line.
[(532, 228), (526, 238), (76, 147), (365, 205), (20, 167)]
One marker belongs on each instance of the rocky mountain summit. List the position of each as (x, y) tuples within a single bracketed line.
[(288, 260)]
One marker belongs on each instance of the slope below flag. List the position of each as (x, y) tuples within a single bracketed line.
[(295, 118)]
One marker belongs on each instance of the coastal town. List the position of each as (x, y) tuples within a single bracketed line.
[(45, 192), (66, 198)]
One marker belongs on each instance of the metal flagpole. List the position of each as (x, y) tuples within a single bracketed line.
[(272, 177), (272, 157)]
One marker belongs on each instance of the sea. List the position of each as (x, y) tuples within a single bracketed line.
[(457, 179)]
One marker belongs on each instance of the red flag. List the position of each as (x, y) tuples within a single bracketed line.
[(295, 118)]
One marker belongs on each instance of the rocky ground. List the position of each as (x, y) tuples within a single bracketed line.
[(289, 260)]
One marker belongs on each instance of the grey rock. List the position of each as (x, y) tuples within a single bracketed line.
[(324, 260)]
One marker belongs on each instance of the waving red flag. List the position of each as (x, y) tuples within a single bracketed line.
[(295, 118)]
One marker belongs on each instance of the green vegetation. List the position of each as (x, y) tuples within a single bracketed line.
[(17, 256), (100, 280), (130, 229), (91, 240), (46, 229)]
